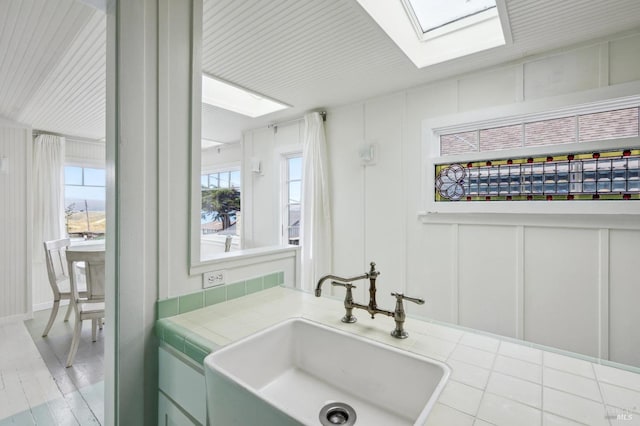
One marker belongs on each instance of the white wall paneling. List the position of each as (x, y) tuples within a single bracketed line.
[(488, 264), (538, 277), (519, 282), (221, 157), (624, 59), (561, 291), (568, 72), (603, 293), (494, 87), (432, 270), (348, 195), (84, 153), (624, 294), (555, 279), (15, 221), (384, 194)]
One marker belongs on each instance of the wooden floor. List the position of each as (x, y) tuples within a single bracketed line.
[(35, 386)]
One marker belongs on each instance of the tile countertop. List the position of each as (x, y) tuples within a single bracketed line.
[(493, 381)]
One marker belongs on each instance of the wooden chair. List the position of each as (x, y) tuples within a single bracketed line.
[(91, 305), (58, 274)]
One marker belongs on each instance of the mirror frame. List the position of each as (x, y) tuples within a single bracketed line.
[(236, 258)]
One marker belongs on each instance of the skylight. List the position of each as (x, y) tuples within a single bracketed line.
[(434, 31), (432, 14), (232, 98)]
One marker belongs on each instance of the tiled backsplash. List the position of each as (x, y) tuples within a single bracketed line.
[(210, 296)]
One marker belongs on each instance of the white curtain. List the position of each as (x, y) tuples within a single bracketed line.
[(316, 207), (48, 192)]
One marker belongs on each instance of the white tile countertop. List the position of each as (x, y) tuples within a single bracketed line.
[(494, 381)]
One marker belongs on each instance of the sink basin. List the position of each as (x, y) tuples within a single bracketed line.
[(286, 374)]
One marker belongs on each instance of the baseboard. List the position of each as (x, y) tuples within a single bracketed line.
[(15, 318), (48, 305)]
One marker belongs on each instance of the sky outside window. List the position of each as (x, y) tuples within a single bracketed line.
[(432, 14), (73, 175), (94, 177)]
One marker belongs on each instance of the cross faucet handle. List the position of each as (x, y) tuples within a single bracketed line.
[(348, 286), (400, 297), (399, 315)]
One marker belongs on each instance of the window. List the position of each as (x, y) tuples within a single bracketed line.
[(227, 96), (84, 202), (292, 198), (599, 126), (220, 212), (432, 14), (519, 164), (434, 31), (608, 175)]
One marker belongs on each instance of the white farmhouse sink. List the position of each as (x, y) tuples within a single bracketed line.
[(286, 374)]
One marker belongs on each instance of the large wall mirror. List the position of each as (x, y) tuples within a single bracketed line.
[(242, 146)]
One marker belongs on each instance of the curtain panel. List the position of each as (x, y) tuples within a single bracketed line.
[(316, 232)]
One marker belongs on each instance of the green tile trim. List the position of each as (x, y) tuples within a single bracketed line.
[(167, 308), (215, 295), (236, 290), (254, 285), (173, 306), (271, 280), (173, 335), (190, 302), (195, 352), (201, 342), (184, 340)]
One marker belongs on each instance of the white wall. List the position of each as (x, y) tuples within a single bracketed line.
[(548, 279), (261, 203), (221, 156), (84, 153), (15, 222)]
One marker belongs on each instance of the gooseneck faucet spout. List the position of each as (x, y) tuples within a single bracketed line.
[(339, 279)]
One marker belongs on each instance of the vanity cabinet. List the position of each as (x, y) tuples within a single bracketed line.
[(169, 414), (182, 392)]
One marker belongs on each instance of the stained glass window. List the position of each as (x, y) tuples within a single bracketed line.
[(602, 175)]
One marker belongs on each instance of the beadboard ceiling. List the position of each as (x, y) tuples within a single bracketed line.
[(307, 53)]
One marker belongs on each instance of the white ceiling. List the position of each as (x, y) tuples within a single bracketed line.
[(311, 54), (52, 66)]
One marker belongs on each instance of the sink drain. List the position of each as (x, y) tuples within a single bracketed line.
[(337, 413)]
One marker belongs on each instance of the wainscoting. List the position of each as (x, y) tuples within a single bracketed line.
[(567, 283)]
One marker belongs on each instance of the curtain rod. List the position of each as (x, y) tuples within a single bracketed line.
[(275, 125), (36, 132)]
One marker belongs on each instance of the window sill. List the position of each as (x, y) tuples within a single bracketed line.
[(586, 220)]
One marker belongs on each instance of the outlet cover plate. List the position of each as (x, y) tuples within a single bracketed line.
[(213, 278)]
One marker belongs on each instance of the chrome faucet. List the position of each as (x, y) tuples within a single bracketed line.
[(398, 314)]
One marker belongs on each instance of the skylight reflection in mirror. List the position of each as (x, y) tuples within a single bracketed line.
[(432, 14)]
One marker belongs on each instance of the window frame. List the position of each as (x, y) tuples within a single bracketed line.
[(82, 185), (450, 26), (217, 169), (545, 109), (284, 192)]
